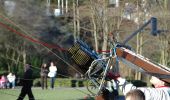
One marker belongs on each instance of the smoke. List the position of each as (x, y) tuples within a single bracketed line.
[(32, 17)]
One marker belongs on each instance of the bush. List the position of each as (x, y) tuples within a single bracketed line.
[(37, 83), (73, 83), (61, 82), (80, 83)]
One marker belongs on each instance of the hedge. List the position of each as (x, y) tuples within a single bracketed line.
[(62, 82)]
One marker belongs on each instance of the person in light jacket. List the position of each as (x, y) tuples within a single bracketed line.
[(11, 78), (52, 74), (160, 91)]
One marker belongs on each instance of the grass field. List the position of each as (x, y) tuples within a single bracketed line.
[(39, 94)]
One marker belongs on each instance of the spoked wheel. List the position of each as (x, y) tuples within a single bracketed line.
[(92, 88)]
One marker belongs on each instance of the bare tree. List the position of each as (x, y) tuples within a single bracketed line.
[(76, 19)]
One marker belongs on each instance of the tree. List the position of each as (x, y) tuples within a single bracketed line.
[(15, 43)]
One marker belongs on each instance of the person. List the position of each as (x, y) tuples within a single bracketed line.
[(44, 73), (3, 82), (135, 94), (52, 74), (160, 91), (27, 83), (11, 79)]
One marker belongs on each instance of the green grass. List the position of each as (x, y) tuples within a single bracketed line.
[(39, 94)]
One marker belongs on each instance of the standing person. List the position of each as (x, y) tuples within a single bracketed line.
[(52, 74), (11, 78), (27, 83), (161, 90), (44, 73), (135, 94), (3, 81)]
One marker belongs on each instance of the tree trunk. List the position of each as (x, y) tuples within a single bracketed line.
[(66, 6), (94, 23), (94, 29), (59, 4), (62, 7), (24, 55), (78, 19), (74, 20), (105, 27), (164, 39)]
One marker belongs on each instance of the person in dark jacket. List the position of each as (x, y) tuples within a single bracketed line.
[(44, 73), (27, 83)]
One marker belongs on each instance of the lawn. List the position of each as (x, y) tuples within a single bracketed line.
[(56, 94)]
